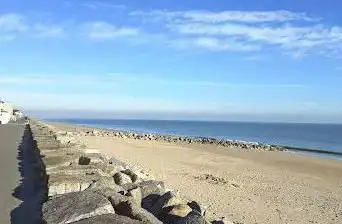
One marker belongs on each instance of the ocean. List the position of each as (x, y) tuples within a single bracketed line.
[(319, 139)]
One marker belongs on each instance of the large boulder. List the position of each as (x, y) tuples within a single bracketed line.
[(131, 209), (134, 177), (75, 206), (180, 210), (222, 220), (56, 158), (106, 183), (174, 214), (197, 207), (92, 158), (76, 169), (136, 195), (63, 183), (108, 219), (166, 200), (147, 187), (117, 198), (192, 218), (150, 191), (122, 179)]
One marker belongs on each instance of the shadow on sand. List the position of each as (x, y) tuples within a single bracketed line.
[(32, 190)]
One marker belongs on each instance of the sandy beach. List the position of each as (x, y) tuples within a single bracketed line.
[(244, 186)]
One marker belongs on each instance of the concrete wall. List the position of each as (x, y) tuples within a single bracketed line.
[(6, 112)]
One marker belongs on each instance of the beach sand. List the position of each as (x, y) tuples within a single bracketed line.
[(244, 186)]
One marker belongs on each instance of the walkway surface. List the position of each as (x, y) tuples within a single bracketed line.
[(10, 176)]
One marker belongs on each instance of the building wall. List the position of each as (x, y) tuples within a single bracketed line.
[(6, 112)]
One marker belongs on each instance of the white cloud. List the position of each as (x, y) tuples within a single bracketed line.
[(223, 16), (102, 5), (6, 37), (118, 77), (103, 30), (255, 58), (290, 37), (215, 44), (23, 79), (43, 30), (293, 33), (12, 22), (13, 25)]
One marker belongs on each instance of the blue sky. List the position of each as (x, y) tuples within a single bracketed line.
[(232, 60)]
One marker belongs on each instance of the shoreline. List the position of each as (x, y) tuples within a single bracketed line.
[(243, 145)]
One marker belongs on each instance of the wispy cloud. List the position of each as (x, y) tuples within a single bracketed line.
[(102, 5), (289, 37), (10, 25), (255, 58), (12, 22), (214, 44), (13, 25), (23, 79), (291, 33), (294, 33), (223, 16), (118, 77), (43, 30), (103, 30)]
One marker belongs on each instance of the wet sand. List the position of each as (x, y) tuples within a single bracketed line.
[(244, 186)]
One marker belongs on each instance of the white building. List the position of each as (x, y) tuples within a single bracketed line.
[(6, 112), (17, 114)]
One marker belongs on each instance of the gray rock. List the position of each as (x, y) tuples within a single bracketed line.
[(147, 187), (114, 161), (106, 183), (75, 169), (108, 193), (121, 178), (83, 160), (63, 183), (222, 221), (197, 207), (166, 200), (56, 161), (131, 209), (75, 206), (192, 218), (181, 210), (175, 214), (108, 219), (150, 191), (95, 158), (116, 198), (136, 195), (129, 172)]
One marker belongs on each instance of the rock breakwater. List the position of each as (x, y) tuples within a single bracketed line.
[(85, 186), (170, 139)]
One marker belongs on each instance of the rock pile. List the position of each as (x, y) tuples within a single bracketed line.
[(87, 187), (175, 139)]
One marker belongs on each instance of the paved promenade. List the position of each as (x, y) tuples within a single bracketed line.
[(10, 176)]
